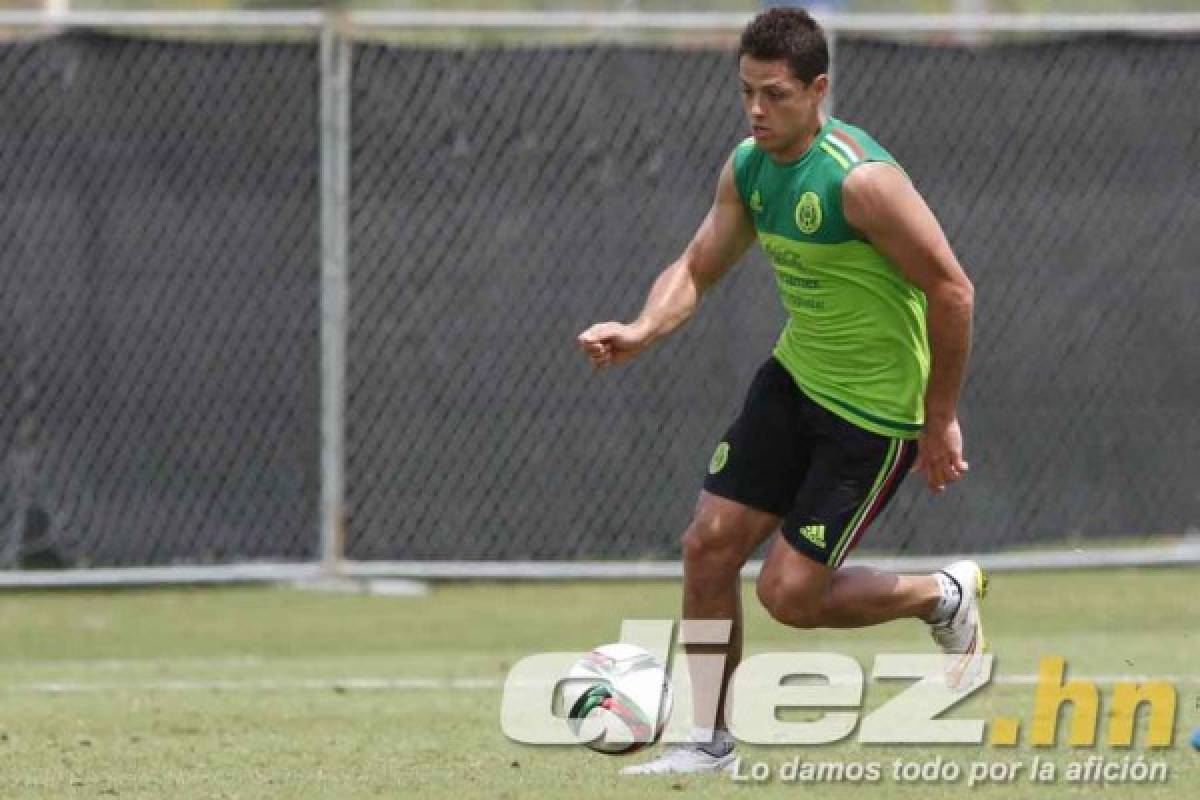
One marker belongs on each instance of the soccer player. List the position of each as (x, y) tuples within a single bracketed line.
[(862, 386)]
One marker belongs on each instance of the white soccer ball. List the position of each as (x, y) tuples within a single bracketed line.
[(618, 698)]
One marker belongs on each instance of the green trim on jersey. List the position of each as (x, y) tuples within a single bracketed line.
[(855, 340)]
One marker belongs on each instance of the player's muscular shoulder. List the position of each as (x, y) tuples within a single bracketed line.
[(725, 233), (726, 184), (872, 192), (879, 200)]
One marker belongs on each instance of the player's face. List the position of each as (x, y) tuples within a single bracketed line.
[(783, 111)]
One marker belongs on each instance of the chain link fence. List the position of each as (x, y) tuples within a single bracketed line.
[(158, 326), (159, 253)]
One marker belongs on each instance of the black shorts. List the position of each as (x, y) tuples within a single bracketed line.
[(788, 456)]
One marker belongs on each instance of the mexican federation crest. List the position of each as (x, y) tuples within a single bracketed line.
[(808, 213)]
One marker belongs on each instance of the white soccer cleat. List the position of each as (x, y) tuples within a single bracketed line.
[(961, 636), (684, 760)]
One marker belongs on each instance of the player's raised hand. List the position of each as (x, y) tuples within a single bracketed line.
[(939, 455), (610, 343)]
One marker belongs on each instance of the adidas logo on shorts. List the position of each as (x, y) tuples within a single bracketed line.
[(814, 533)]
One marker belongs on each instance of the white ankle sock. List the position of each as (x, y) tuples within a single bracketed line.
[(950, 600)]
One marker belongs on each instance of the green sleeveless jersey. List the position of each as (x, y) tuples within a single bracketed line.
[(855, 339)]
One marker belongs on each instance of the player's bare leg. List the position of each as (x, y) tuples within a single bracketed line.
[(798, 591), (802, 593), (716, 546), (722, 536)]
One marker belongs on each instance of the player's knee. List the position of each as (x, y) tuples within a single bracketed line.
[(708, 546), (791, 601)]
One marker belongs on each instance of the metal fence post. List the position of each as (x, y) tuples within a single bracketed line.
[(335, 143)]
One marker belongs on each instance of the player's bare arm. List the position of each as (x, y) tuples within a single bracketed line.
[(879, 200), (722, 238)]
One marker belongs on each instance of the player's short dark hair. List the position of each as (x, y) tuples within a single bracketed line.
[(787, 34)]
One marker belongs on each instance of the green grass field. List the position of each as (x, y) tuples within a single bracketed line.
[(281, 693)]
